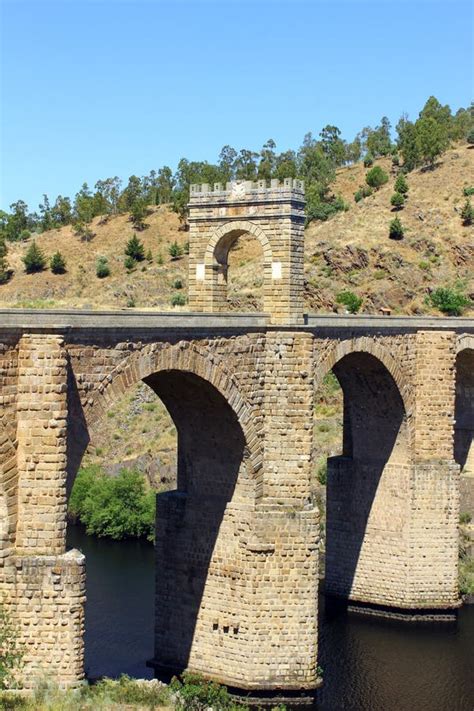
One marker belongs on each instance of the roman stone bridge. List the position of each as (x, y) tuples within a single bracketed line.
[(237, 542)]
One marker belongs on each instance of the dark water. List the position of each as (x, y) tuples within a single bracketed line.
[(368, 665)]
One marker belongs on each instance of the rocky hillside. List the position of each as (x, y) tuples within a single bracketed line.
[(351, 251)]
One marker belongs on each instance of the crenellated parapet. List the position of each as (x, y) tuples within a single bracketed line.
[(248, 189)]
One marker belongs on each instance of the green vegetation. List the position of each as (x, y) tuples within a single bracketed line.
[(102, 268), (130, 264), (468, 191), (135, 249), (11, 653), (34, 259), (115, 507), (397, 201), (351, 301), (175, 250), (5, 273), (149, 256), (376, 177), (396, 229), (193, 693), (450, 301), (401, 185), (57, 263), (419, 143), (178, 300), (467, 213), (177, 284)]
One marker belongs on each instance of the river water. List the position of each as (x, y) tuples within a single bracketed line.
[(368, 665)]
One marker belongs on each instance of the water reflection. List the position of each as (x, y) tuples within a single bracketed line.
[(369, 665)]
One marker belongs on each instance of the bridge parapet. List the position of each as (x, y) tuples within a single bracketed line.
[(243, 189)]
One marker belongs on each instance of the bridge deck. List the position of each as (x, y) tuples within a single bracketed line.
[(35, 320)]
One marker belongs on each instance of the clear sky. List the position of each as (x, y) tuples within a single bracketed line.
[(97, 88)]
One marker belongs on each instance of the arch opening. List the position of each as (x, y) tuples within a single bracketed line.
[(464, 412), (241, 259), (211, 456), (366, 483)]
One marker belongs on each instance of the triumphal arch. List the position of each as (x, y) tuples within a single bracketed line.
[(237, 541)]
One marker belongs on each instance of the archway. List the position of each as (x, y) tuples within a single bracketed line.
[(238, 259), (464, 411), (214, 470), (367, 483)]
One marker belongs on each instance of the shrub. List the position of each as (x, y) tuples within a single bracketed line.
[(351, 301), (468, 191), (175, 250), (376, 177), (449, 301), (11, 653), (401, 185), (130, 263), (193, 693), (323, 473), (135, 249), (57, 263), (34, 259), (178, 300), (159, 259), (397, 201), (5, 272), (358, 195), (396, 229), (368, 160), (467, 213), (186, 247), (24, 235), (470, 137), (84, 232), (465, 517), (177, 284), (149, 256), (115, 507), (395, 161), (102, 268)]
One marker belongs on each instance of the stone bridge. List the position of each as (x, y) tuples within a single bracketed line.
[(237, 542)]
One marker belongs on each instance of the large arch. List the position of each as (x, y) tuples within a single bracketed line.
[(367, 510), (464, 405), (200, 525)]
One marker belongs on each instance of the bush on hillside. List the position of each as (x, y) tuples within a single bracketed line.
[(34, 259), (368, 160), (470, 137), (376, 177), (467, 213), (5, 272), (114, 507), (449, 301), (401, 185), (397, 200), (468, 191), (84, 232), (194, 693), (351, 301), (178, 300), (149, 256), (102, 268), (130, 263), (57, 263), (135, 249), (175, 250), (24, 235), (11, 652), (396, 229)]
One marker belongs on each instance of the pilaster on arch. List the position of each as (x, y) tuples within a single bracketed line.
[(378, 351), (241, 226), (187, 358)]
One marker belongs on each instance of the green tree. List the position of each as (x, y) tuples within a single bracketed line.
[(132, 193), (175, 250), (227, 160), (102, 268), (407, 143), (397, 200), (61, 212), (332, 145), (130, 263), (368, 160), (57, 263), (396, 229), (108, 195), (164, 186), (84, 205), (46, 222), (401, 185), (351, 301), (4, 270), (376, 177), (449, 301), (467, 213), (378, 142), (17, 221), (34, 259), (138, 212), (431, 138), (135, 249), (267, 164), (470, 137), (246, 165)]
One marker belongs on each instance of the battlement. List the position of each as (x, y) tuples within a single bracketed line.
[(240, 189)]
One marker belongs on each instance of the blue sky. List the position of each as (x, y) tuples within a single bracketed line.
[(97, 88)]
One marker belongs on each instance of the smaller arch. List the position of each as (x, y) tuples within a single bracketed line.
[(224, 237), (374, 348), (465, 342)]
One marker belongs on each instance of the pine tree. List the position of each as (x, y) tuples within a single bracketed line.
[(396, 230), (34, 259), (135, 249), (175, 250), (401, 185), (397, 200), (102, 268), (4, 271), (57, 263), (467, 213)]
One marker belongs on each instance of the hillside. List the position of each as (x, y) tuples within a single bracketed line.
[(350, 251)]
